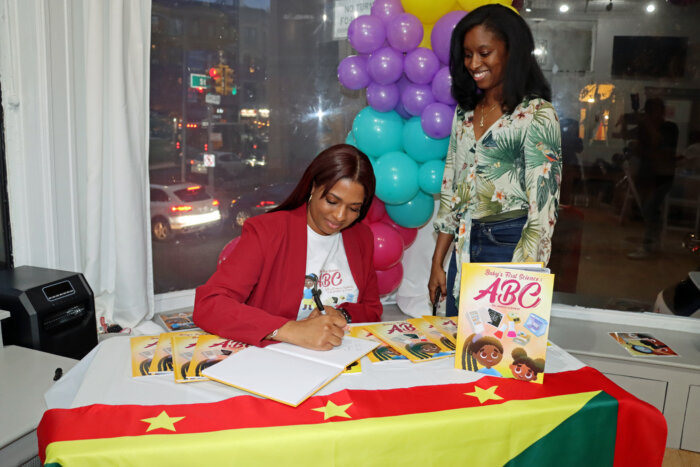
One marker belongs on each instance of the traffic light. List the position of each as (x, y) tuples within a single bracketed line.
[(217, 75), (228, 80)]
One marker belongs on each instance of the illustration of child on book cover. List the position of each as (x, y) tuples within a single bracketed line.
[(403, 337), (503, 321)]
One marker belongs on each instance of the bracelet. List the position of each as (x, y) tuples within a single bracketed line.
[(345, 314), (274, 334)]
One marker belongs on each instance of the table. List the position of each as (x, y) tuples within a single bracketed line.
[(392, 413), (25, 375)]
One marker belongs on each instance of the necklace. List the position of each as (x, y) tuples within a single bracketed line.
[(483, 114)]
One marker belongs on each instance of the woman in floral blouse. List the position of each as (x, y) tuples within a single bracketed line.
[(500, 190)]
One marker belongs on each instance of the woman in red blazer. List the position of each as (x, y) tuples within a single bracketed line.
[(259, 294)]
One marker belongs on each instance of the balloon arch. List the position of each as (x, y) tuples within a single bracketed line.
[(403, 54)]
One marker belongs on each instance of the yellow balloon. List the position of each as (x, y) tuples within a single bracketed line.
[(470, 5), (428, 11), (427, 29)]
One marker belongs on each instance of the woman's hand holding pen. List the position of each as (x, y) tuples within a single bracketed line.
[(317, 332)]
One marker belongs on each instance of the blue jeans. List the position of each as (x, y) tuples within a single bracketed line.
[(491, 242)]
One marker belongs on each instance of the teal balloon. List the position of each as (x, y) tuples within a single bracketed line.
[(430, 176), (377, 133), (421, 147), (414, 213), (350, 139), (397, 178)]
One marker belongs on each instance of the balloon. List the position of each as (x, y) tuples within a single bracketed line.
[(388, 246), (408, 235), (420, 65), (442, 86), (389, 280), (397, 178), (430, 176), (228, 249), (425, 43), (376, 210), (382, 97), (386, 9), (385, 65), (470, 5), (428, 11), (352, 72), (442, 33), (436, 120), (366, 33), (402, 83), (377, 133), (414, 213), (416, 97), (404, 32), (421, 147), (350, 139)]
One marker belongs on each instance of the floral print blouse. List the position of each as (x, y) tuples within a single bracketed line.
[(514, 166)]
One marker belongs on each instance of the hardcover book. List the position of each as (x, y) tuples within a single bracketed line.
[(382, 353), (504, 315), (210, 350), (446, 325), (403, 337), (433, 334), (183, 349), (142, 350), (177, 321)]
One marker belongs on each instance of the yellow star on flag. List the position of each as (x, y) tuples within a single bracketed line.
[(484, 394), (162, 421), (332, 410)]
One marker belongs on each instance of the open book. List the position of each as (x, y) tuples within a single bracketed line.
[(285, 372)]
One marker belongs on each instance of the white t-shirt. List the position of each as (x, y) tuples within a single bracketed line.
[(326, 267)]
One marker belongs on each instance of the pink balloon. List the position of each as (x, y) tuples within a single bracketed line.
[(388, 246), (407, 234), (227, 250), (376, 211), (389, 280)]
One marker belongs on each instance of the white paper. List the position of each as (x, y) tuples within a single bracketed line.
[(352, 349)]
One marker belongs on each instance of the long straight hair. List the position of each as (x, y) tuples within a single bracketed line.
[(522, 75), (333, 164)]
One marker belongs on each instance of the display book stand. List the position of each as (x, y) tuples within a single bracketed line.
[(671, 384)]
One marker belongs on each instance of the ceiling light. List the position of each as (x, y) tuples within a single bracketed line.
[(651, 8), (563, 8)]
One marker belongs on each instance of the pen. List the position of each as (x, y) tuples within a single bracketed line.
[(316, 292)]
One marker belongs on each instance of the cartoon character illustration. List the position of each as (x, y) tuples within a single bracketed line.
[(523, 367), (487, 351), (385, 353), (447, 343), (423, 349), (310, 281)]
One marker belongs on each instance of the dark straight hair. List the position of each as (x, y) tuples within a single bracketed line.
[(523, 76), (328, 168)]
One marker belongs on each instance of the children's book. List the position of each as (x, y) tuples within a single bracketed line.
[(446, 325), (403, 337), (177, 321), (285, 372), (162, 363), (210, 350), (142, 350), (183, 349), (433, 334), (504, 315), (641, 344), (383, 352)]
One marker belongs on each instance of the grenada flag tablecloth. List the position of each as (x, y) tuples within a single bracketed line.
[(574, 418)]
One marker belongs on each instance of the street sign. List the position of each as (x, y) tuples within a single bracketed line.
[(199, 81), (209, 160), (214, 99)]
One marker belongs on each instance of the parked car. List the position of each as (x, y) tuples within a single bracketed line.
[(180, 208), (228, 165), (258, 201)]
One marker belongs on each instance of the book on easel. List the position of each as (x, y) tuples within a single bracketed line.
[(285, 372)]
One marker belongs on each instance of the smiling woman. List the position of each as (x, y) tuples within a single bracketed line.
[(301, 272)]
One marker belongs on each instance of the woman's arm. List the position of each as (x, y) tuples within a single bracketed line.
[(543, 180), (438, 278)]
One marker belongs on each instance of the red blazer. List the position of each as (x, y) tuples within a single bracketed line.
[(260, 286)]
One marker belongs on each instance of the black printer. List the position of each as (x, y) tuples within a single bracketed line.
[(50, 310)]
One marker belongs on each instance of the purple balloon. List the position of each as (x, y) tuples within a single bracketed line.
[(366, 33), (385, 65), (382, 97), (436, 120), (442, 32), (404, 32), (416, 97), (442, 86), (420, 65), (352, 72), (386, 9)]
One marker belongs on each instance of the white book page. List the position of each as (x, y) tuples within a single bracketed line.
[(274, 375), (352, 349)]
